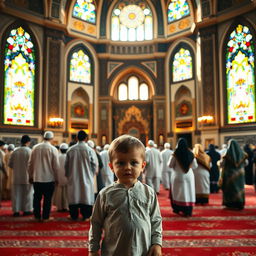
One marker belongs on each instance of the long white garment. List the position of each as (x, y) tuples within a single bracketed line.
[(60, 198), (202, 180), (80, 167), (166, 170), (153, 169), (22, 191), (44, 163), (130, 219), (106, 173), (182, 184)]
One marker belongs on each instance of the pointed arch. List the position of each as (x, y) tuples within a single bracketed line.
[(177, 9), (80, 65), (239, 73), (85, 10), (182, 63), (20, 80)]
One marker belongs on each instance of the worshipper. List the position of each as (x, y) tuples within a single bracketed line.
[(107, 174), (202, 175), (223, 150), (127, 211), (80, 167), (61, 189), (8, 181), (182, 190), (153, 169), (249, 175), (91, 144), (214, 172), (232, 177), (3, 172), (166, 170), (43, 169), (22, 190), (99, 181)]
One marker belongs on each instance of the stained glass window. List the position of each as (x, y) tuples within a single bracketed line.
[(177, 9), (240, 76), (85, 10), (131, 21), (80, 67), (19, 79), (182, 66), (133, 90)]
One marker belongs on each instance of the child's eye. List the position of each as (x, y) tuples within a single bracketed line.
[(120, 163), (134, 163)]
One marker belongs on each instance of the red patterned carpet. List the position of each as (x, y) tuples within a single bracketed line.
[(212, 231)]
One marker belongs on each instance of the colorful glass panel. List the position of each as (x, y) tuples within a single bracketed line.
[(85, 10), (240, 76), (135, 21), (182, 67), (177, 9), (19, 79), (80, 67)]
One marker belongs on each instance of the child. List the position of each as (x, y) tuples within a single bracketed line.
[(127, 210)]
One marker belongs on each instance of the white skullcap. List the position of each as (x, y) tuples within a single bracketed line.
[(98, 148), (90, 143), (48, 135), (167, 145), (106, 147), (151, 143), (11, 147), (63, 146)]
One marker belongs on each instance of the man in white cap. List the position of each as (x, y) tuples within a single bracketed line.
[(43, 172), (22, 190), (80, 167), (3, 172), (106, 174), (166, 170), (61, 190), (153, 169)]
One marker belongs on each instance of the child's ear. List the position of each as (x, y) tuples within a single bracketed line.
[(110, 166), (143, 164)]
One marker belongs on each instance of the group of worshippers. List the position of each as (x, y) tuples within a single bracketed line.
[(194, 175), (44, 175), (72, 177)]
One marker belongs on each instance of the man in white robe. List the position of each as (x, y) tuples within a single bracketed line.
[(3, 172), (80, 167), (43, 173), (153, 170), (166, 170), (22, 190), (107, 174)]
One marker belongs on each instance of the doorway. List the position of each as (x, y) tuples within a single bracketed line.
[(187, 136)]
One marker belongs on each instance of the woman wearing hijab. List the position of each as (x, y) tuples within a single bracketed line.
[(249, 168), (182, 190), (202, 175), (214, 172), (233, 176)]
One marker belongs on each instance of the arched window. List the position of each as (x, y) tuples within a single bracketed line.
[(85, 10), (182, 65), (177, 9), (240, 76), (133, 90), (131, 22), (80, 67), (19, 79)]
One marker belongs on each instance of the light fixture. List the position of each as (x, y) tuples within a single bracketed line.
[(205, 119), (55, 122)]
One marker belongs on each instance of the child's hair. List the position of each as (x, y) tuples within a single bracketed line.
[(124, 144)]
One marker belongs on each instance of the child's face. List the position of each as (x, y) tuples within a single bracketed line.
[(128, 166)]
